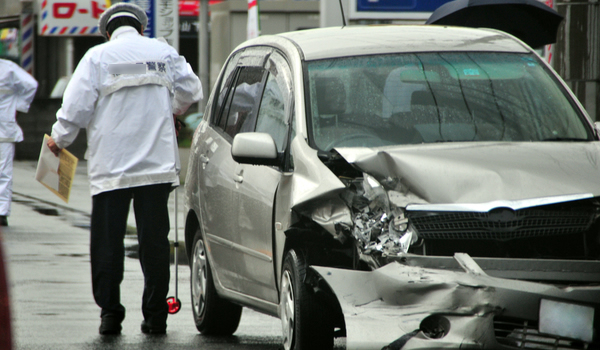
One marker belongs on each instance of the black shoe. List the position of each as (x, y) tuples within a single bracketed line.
[(147, 328), (110, 324), (3, 220)]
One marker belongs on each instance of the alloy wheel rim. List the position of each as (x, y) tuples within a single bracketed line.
[(287, 310), (199, 278)]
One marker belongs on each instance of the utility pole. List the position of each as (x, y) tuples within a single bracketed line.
[(204, 53), (577, 51)]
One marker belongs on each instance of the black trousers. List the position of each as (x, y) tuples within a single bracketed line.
[(109, 223)]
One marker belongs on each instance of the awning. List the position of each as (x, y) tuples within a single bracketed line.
[(9, 22)]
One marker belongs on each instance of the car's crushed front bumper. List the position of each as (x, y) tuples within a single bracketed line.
[(400, 306)]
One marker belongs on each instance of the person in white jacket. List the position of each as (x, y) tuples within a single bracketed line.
[(125, 92), (17, 90)]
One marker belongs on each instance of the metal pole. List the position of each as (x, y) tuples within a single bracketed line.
[(176, 247), (204, 53), (70, 66), (577, 51), (173, 302)]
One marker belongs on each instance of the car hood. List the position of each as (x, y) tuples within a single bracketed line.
[(482, 172)]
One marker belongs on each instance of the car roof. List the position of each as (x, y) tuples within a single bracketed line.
[(334, 42)]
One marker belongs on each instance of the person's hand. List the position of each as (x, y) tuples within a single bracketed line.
[(178, 125), (53, 147)]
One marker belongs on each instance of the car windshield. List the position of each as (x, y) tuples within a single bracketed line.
[(372, 101)]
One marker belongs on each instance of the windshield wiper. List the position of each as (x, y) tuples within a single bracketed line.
[(566, 139)]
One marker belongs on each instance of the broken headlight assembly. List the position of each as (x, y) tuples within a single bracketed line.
[(380, 227)]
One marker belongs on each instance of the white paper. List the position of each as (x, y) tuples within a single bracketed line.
[(56, 173), (47, 168)]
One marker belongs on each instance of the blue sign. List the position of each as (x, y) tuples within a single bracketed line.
[(398, 5), (148, 6)]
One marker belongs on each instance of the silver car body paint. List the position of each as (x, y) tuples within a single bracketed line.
[(352, 41), (389, 302), (484, 172), (463, 178), (383, 305)]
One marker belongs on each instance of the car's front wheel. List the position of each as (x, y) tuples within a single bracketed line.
[(304, 324), (212, 314)]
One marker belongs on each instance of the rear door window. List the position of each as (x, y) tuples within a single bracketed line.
[(223, 90)]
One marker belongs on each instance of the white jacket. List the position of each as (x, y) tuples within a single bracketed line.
[(125, 92), (17, 89)]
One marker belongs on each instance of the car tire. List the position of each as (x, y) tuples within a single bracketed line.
[(304, 323), (212, 314)]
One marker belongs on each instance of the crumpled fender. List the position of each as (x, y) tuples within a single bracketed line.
[(314, 190), (382, 306)]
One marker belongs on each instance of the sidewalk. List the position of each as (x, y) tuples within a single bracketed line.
[(47, 254), (26, 187)]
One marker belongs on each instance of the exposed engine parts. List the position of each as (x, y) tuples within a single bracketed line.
[(379, 225)]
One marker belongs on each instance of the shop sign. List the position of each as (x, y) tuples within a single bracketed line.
[(70, 18)]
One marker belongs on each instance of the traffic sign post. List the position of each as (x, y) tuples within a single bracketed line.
[(163, 19)]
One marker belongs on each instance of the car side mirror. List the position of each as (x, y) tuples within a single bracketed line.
[(255, 148)]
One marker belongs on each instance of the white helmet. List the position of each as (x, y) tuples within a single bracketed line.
[(122, 9)]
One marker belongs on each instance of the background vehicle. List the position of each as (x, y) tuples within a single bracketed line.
[(403, 186)]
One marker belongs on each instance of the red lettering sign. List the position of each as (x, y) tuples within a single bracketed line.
[(96, 10), (63, 10)]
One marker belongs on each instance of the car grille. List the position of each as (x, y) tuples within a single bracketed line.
[(502, 223), (522, 334)]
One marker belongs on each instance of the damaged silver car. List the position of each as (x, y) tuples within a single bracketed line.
[(402, 187)]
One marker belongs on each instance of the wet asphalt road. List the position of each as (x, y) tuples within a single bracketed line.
[(47, 251)]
